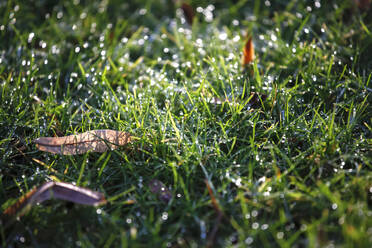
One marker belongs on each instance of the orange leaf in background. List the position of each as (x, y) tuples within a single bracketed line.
[(248, 52)]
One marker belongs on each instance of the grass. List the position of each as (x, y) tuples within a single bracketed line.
[(291, 170)]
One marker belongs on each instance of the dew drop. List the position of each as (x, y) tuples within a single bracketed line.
[(255, 225), (59, 15), (280, 235), (30, 37), (254, 213), (273, 37), (222, 36), (164, 216), (249, 240)]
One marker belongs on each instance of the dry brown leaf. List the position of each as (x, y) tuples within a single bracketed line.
[(158, 188), (95, 141), (57, 190), (248, 52)]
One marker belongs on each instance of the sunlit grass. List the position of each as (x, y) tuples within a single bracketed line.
[(289, 165)]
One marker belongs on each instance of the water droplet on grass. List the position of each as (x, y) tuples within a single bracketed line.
[(164, 216), (249, 240), (280, 235), (254, 213), (222, 36), (255, 225), (30, 37), (59, 15), (273, 37), (83, 15)]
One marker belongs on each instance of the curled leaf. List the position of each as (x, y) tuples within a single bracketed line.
[(248, 52), (57, 190), (158, 188), (95, 141)]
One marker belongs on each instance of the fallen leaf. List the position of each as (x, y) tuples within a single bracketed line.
[(57, 190), (189, 13), (95, 141), (248, 52), (158, 188)]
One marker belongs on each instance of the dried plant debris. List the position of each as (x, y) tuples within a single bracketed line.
[(57, 190), (158, 188), (94, 141)]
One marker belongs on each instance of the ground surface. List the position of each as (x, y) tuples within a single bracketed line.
[(287, 166)]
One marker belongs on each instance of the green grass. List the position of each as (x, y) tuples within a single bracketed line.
[(293, 170)]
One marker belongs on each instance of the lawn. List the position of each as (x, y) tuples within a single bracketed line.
[(276, 153)]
